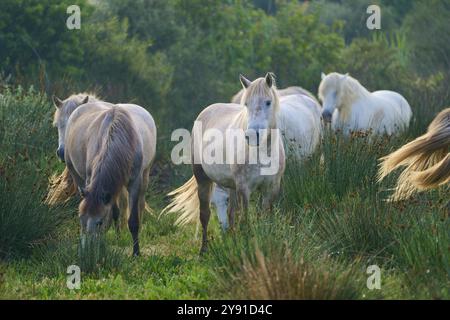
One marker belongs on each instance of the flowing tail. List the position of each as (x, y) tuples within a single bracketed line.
[(185, 201), (426, 159), (61, 188)]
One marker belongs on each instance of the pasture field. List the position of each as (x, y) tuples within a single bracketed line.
[(330, 224)]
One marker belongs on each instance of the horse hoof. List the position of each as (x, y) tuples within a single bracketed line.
[(203, 250)]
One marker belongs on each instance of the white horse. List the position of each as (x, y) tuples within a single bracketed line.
[(351, 107), (257, 118), (299, 122)]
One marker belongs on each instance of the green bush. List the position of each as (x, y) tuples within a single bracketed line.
[(27, 144), (428, 40)]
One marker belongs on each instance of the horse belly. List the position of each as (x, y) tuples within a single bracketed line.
[(220, 174)]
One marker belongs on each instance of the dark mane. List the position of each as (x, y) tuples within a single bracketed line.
[(111, 167)]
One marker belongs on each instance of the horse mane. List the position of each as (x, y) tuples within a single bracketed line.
[(348, 90), (427, 160), (111, 166)]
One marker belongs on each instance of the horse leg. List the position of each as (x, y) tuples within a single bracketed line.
[(232, 206), (145, 180), (204, 194), (116, 216), (270, 195), (243, 198), (78, 180), (134, 190)]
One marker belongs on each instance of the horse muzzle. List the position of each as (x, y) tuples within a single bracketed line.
[(60, 153), (94, 225), (253, 137), (326, 116)]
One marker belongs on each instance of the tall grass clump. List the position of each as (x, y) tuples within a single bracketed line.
[(275, 256), (341, 166), (279, 276), (24, 220), (93, 254)]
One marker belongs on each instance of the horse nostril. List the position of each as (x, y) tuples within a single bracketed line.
[(326, 116)]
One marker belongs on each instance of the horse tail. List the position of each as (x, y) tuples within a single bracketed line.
[(61, 188), (185, 201), (437, 175), (426, 159)]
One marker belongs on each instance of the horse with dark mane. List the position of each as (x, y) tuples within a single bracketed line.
[(108, 150)]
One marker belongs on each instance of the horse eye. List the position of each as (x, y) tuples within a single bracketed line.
[(268, 102)]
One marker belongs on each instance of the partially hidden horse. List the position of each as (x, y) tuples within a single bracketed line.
[(258, 113), (108, 150), (350, 107), (300, 124), (426, 160)]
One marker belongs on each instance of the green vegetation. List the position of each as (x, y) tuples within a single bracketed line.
[(175, 57)]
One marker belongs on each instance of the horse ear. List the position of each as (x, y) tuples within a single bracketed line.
[(85, 100), (57, 101), (270, 79), (323, 75), (106, 197), (244, 81)]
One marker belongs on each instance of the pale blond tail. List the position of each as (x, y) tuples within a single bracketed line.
[(426, 159), (185, 201), (437, 175), (61, 188)]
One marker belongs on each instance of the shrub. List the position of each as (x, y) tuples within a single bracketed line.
[(25, 163), (24, 220)]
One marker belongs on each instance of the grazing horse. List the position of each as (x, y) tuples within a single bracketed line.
[(427, 160), (300, 125), (259, 113), (108, 150), (351, 107)]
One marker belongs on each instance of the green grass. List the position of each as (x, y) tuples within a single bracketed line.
[(330, 223)]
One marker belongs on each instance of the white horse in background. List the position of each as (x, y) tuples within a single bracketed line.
[(300, 125), (351, 107)]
